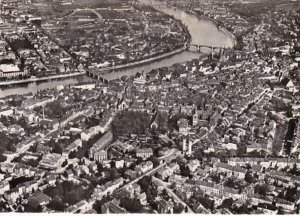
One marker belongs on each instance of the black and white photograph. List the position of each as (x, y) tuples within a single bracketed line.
[(150, 107)]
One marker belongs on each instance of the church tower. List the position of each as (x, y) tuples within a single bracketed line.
[(190, 147), (195, 116), (184, 145)]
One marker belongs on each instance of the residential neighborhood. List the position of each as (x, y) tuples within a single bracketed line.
[(217, 134)]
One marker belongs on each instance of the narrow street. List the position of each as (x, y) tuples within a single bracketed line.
[(171, 193), (140, 177), (55, 128)]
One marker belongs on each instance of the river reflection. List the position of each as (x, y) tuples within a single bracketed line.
[(203, 32)]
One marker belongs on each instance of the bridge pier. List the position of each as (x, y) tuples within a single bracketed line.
[(102, 78), (212, 48)]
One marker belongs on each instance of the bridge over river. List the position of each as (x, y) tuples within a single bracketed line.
[(162, 4), (204, 33), (212, 48)]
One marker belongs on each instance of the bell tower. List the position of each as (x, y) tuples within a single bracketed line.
[(195, 116)]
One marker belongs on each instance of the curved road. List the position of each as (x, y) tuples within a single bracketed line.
[(97, 14), (88, 9)]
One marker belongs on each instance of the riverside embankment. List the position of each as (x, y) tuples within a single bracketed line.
[(202, 32)]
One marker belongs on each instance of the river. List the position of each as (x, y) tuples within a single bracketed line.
[(203, 32)]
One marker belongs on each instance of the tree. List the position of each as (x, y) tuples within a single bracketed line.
[(280, 210), (33, 206), (291, 194), (112, 164), (289, 113), (216, 177), (227, 203), (162, 121), (294, 170), (97, 205), (178, 208), (248, 177), (199, 154), (54, 109), (100, 167), (207, 203), (154, 160), (185, 171), (144, 182), (186, 209), (124, 78), (132, 205), (261, 189), (64, 163), (15, 103), (56, 204), (138, 74), (230, 183), (2, 158), (33, 163), (130, 122), (72, 154), (72, 197), (71, 166), (164, 194), (241, 150), (113, 174), (173, 185), (242, 209), (56, 148)]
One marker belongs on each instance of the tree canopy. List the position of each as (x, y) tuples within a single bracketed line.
[(130, 122)]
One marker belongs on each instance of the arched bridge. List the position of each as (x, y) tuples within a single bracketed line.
[(164, 4), (99, 76), (198, 46)]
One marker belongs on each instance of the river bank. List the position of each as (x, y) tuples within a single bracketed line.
[(229, 34), (221, 28), (202, 32), (133, 64), (101, 70), (62, 76)]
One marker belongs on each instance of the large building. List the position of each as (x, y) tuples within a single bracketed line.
[(10, 70), (100, 144), (112, 207), (144, 153), (51, 161), (100, 156), (183, 126)]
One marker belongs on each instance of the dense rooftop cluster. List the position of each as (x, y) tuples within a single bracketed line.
[(77, 38), (212, 135)]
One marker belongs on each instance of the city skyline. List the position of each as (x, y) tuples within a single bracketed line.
[(154, 107)]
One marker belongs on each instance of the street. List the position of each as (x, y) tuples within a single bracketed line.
[(171, 193)]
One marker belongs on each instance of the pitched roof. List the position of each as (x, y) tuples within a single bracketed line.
[(40, 197)]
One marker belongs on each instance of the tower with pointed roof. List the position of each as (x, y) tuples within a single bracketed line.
[(184, 145), (195, 117)]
